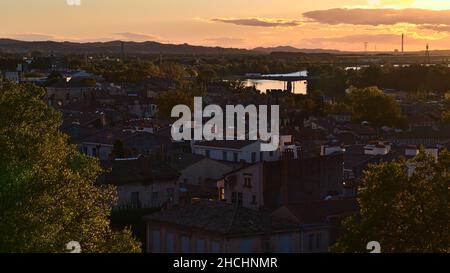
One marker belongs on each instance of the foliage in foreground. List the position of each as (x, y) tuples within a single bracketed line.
[(405, 213), (47, 192)]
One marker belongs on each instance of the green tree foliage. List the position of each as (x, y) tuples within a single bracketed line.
[(412, 78), (372, 105), (330, 80), (54, 77), (47, 192), (405, 213), (173, 71)]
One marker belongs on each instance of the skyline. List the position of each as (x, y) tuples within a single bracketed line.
[(343, 25)]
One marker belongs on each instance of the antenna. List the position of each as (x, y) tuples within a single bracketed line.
[(427, 55), (365, 47), (403, 43)]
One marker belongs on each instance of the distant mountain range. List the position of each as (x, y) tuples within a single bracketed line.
[(147, 48), (113, 47)]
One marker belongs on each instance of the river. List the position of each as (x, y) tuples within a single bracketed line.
[(298, 87)]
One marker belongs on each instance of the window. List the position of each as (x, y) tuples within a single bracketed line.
[(170, 243), (261, 156), (240, 199), (215, 247), (253, 157), (284, 244), (207, 153), (85, 150), (247, 181), (234, 197), (237, 198), (222, 194), (224, 156), (319, 241), (311, 241), (200, 246), (254, 199), (185, 241), (156, 241), (235, 157), (246, 246), (135, 203), (271, 154), (170, 193), (94, 152), (155, 202)]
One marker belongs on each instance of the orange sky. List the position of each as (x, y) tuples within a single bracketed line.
[(334, 24)]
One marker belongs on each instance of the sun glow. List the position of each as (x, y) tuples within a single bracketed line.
[(422, 4)]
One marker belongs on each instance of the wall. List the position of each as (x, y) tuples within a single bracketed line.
[(146, 193), (101, 151), (159, 235), (236, 183), (203, 169), (244, 154)]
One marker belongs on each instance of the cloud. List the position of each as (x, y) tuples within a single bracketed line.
[(362, 38), (375, 17), (137, 37), (438, 28), (33, 37), (259, 22)]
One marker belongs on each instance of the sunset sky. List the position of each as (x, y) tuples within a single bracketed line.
[(332, 24)]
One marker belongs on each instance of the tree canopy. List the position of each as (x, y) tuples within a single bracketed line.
[(372, 105), (404, 212), (48, 195)]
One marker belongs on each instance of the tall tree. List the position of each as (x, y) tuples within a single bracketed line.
[(47, 192), (406, 211)]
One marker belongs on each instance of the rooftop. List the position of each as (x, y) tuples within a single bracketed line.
[(138, 170), (314, 212), (226, 144), (222, 218)]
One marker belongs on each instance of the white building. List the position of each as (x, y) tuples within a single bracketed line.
[(234, 151)]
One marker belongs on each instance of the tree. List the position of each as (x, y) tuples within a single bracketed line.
[(173, 71), (404, 212), (167, 100), (54, 77), (372, 105), (47, 192)]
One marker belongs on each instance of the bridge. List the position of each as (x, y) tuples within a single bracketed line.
[(289, 79)]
